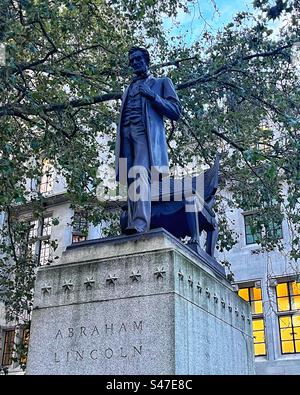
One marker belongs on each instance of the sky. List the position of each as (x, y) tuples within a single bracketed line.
[(203, 16)]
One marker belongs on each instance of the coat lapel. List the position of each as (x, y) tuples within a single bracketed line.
[(150, 81), (118, 140), (124, 97)]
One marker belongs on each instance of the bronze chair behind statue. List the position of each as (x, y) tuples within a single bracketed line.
[(188, 211)]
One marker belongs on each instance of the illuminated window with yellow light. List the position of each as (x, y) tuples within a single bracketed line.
[(288, 296), (254, 297), (258, 326), (288, 300)]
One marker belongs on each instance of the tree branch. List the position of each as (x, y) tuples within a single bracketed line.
[(251, 95), (29, 110), (228, 66), (49, 39), (174, 62), (77, 52), (17, 110)]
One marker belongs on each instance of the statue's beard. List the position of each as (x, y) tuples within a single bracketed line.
[(142, 70)]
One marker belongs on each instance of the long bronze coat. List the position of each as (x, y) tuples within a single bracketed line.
[(166, 104)]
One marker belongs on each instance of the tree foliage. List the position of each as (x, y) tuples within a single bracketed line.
[(60, 87)]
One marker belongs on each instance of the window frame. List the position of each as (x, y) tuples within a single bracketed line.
[(5, 332), (280, 316), (39, 239), (274, 227), (248, 215), (46, 181), (264, 231), (79, 226), (287, 314), (255, 316), (289, 296)]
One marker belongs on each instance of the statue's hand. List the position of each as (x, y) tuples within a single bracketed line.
[(147, 92)]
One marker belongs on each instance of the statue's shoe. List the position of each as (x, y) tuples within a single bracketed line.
[(133, 231), (130, 231)]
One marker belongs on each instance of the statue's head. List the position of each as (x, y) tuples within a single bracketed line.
[(139, 60)]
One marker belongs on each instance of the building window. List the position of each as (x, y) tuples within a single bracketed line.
[(77, 238), (288, 300), (32, 237), (46, 182), (39, 240), (258, 326), (254, 297), (252, 235), (46, 227), (33, 231), (9, 341), (80, 227), (288, 296), (274, 230), (252, 223), (44, 252), (24, 346), (289, 326)]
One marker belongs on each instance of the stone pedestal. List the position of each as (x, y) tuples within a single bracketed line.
[(142, 304)]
